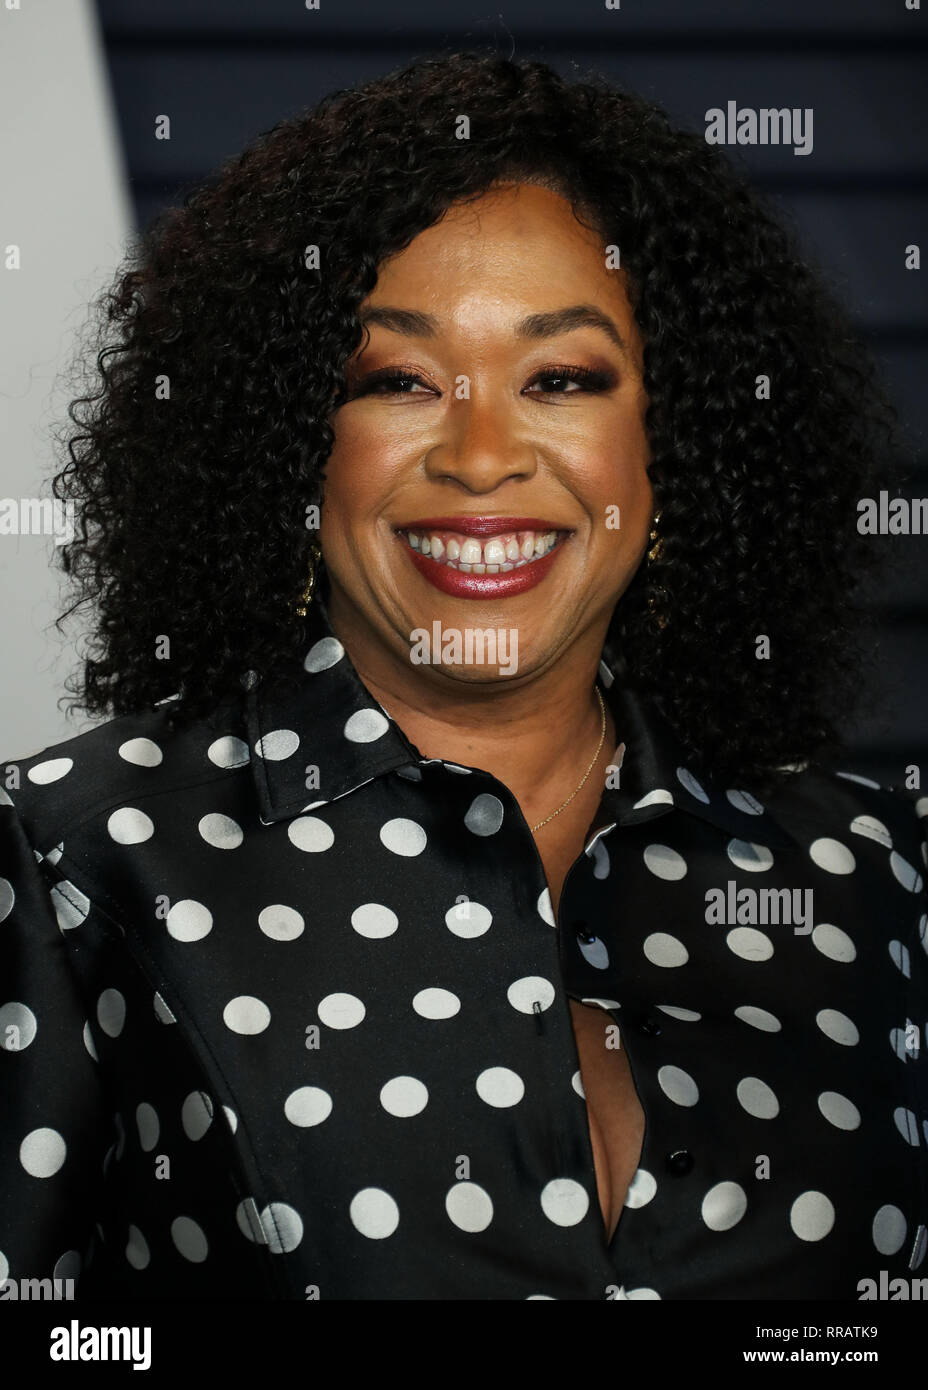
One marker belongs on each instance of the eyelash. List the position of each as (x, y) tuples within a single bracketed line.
[(592, 380)]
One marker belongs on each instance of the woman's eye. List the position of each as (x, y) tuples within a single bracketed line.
[(390, 384), (556, 381)]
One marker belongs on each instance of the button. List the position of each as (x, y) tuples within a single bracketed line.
[(680, 1162), (650, 1025)]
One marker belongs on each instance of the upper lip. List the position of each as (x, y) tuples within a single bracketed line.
[(480, 525)]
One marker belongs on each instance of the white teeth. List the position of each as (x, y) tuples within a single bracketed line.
[(493, 556)]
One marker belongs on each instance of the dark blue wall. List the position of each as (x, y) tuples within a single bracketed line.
[(225, 71)]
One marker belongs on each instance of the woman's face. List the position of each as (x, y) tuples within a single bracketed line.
[(473, 434)]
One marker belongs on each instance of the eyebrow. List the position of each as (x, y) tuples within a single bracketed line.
[(413, 324)]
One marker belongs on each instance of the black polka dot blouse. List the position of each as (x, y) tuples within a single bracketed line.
[(284, 1014)]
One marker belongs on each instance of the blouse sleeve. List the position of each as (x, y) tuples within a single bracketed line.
[(55, 1124)]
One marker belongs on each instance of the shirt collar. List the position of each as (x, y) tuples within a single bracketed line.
[(330, 722)]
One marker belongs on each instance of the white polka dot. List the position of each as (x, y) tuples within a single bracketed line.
[(137, 1251), (523, 994), (812, 1216), (282, 1227), (404, 1096), (280, 922), (685, 1015), (658, 797), (220, 831), (436, 1003), (68, 1265), (837, 1026), (402, 836), (469, 1206), (838, 1110), (749, 943), (341, 1010), (601, 862), (277, 745), (899, 955), (140, 751), (923, 931), (366, 726), (162, 1012), (855, 777), (750, 857), (374, 1213), (833, 942), (500, 1087), (641, 1295), (594, 953), (641, 1189), (484, 815), (909, 878), (897, 1041), (663, 949), (70, 904), (7, 898), (665, 862), (88, 1041), (744, 801), (18, 1026), (196, 1114), (311, 834), (327, 652), (129, 826), (189, 920), (545, 910), (50, 771), (832, 855), (229, 751), (756, 1097), (246, 1015), (231, 1118), (146, 1120), (872, 829), (42, 1152), (308, 1106), (111, 1012), (889, 1228), (678, 1085), (189, 1239), (907, 1124), (4, 1266), (686, 779), (373, 920), (52, 855), (564, 1202), (758, 1018), (724, 1205), (468, 919)]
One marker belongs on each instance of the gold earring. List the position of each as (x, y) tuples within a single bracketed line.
[(315, 555), (657, 543)]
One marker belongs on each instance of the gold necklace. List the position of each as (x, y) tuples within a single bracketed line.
[(602, 709)]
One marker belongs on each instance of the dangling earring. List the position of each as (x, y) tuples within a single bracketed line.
[(654, 554), (315, 556)]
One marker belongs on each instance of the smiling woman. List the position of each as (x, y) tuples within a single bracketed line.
[(374, 952)]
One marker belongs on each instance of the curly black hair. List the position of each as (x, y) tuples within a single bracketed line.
[(220, 356)]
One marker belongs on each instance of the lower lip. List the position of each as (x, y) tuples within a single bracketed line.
[(463, 585)]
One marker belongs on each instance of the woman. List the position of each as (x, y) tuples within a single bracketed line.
[(389, 985)]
